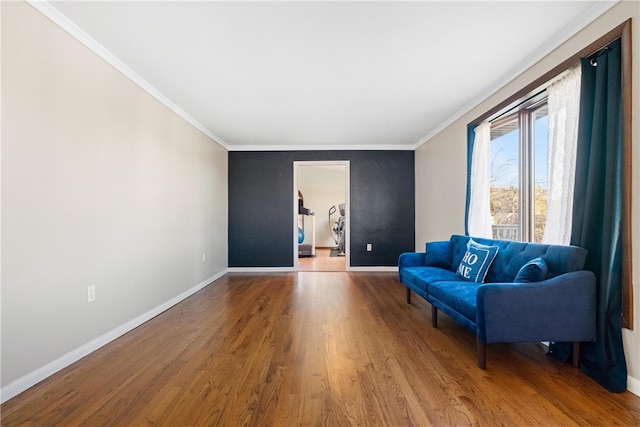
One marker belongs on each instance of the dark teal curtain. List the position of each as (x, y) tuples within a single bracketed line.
[(471, 135), (597, 210)]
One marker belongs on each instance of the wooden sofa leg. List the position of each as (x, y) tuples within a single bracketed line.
[(577, 352), (408, 296), (481, 350), (434, 317)]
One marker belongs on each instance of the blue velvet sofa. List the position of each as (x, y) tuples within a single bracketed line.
[(505, 291)]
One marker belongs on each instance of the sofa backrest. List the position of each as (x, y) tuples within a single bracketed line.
[(512, 255)]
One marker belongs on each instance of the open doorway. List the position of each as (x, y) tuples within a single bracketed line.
[(321, 215)]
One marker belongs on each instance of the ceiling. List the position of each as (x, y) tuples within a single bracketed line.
[(322, 75)]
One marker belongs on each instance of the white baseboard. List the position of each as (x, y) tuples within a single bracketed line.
[(260, 269), (291, 269), (21, 384), (373, 269), (633, 385)]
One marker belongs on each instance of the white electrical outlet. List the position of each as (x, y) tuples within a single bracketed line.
[(369, 247), (204, 256), (91, 293)]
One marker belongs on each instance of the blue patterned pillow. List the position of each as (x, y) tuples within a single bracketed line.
[(476, 261), (533, 271), (438, 254)]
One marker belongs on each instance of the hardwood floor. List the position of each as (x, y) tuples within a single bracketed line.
[(301, 349), (322, 262)]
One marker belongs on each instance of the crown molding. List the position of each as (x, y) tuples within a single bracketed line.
[(49, 11), (53, 14), (58, 18), (571, 30), (372, 147)]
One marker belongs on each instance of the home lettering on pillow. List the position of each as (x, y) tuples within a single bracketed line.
[(476, 261), (466, 266)]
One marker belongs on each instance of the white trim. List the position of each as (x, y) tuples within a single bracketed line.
[(21, 384), (1, 275), (571, 30), (633, 385), (360, 147), (291, 270), (44, 7), (373, 269), (260, 270), (347, 193)]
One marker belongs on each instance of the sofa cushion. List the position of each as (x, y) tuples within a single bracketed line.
[(476, 261), (422, 277), (438, 254), (459, 295), (533, 271)]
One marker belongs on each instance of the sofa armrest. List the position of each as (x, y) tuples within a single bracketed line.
[(560, 309), (411, 259)]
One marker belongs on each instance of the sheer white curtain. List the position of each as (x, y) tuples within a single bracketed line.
[(479, 219), (564, 105)]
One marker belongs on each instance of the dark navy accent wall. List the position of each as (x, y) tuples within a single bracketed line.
[(261, 206)]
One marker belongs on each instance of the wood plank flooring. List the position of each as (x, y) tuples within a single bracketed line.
[(323, 261), (313, 349)]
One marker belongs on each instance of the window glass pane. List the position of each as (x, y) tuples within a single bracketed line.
[(540, 175), (504, 180)]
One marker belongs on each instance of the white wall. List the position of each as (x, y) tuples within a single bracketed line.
[(101, 185), (322, 187), (444, 155)]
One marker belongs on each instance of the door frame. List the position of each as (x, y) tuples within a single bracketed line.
[(347, 192)]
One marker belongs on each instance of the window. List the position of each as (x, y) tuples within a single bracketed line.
[(518, 180), (515, 169)]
